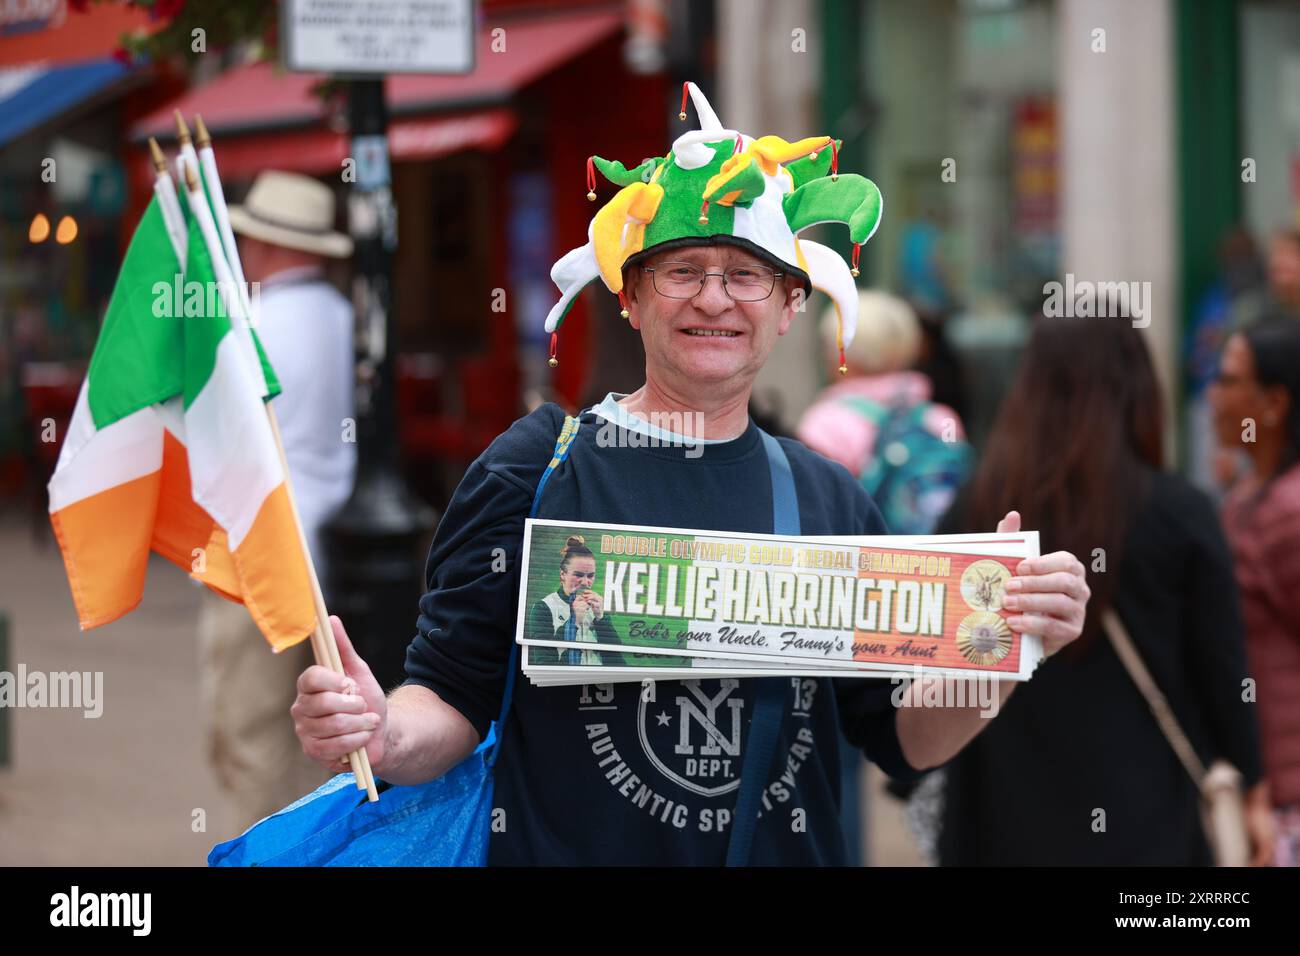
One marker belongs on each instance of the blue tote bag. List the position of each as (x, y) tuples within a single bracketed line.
[(444, 822)]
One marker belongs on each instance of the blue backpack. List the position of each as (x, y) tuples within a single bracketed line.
[(913, 475)]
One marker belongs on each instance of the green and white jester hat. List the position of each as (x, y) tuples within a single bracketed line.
[(718, 185)]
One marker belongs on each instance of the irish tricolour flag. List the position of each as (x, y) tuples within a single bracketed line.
[(170, 450)]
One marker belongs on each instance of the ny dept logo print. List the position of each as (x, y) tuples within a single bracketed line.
[(694, 738)]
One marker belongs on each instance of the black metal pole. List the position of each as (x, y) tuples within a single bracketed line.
[(375, 571)]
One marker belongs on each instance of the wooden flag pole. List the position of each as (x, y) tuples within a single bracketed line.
[(358, 759), (323, 643), (207, 161)]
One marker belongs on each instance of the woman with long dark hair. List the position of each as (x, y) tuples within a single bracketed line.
[(1256, 404), (1075, 770)]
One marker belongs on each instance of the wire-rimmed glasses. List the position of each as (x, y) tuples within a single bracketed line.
[(685, 280)]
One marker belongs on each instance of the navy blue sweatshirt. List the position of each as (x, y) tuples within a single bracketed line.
[(599, 774)]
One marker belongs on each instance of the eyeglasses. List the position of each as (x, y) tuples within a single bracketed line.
[(685, 280)]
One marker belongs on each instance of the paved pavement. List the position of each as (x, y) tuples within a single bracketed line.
[(889, 841), (120, 789), (124, 788)]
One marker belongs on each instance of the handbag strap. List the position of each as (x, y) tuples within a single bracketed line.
[(769, 706), (562, 445), (1164, 714)]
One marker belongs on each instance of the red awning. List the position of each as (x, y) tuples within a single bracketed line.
[(260, 98), (321, 151)]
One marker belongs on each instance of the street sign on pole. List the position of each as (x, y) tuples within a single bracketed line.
[(375, 573), (347, 38)]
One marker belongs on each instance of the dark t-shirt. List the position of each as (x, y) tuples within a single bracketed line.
[(610, 773)]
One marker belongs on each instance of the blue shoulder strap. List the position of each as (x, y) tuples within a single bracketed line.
[(769, 707), (562, 445)]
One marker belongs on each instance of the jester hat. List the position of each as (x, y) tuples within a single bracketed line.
[(717, 185)]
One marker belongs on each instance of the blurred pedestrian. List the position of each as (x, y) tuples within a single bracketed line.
[(1240, 278), (941, 363), (907, 451), (923, 269), (1256, 400), (306, 327), (1280, 299), (1075, 770), (925, 282)]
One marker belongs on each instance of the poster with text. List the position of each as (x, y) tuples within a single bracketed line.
[(616, 597)]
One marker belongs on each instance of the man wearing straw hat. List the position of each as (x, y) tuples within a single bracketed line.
[(702, 248), (286, 235)]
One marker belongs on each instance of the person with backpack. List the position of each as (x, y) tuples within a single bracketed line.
[(909, 453)]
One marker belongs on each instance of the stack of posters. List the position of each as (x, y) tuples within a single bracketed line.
[(608, 603)]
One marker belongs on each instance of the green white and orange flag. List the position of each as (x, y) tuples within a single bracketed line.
[(170, 450)]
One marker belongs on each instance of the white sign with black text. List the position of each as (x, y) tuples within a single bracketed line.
[(378, 36)]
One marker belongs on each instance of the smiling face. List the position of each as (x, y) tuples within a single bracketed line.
[(682, 345), (579, 572)]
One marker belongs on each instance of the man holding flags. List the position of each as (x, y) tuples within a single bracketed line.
[(175, 448), (700, 246)]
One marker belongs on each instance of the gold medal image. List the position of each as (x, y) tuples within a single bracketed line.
[(983, 637), (982, 585)]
